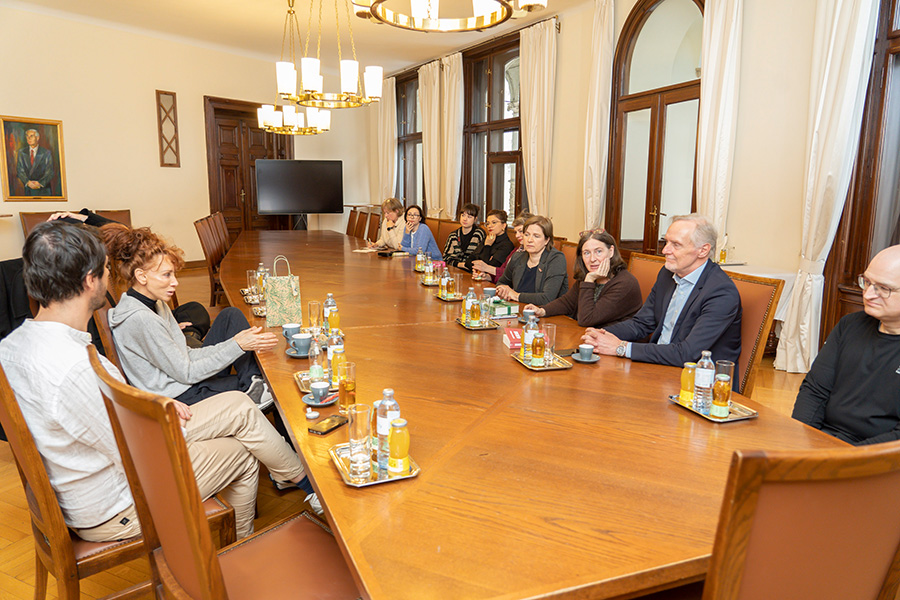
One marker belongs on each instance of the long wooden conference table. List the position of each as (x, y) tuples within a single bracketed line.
[(584, 483)]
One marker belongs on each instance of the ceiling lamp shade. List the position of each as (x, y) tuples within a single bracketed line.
[(532, 5), (424, 15), (288, 121)]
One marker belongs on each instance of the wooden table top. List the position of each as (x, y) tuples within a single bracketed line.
[(584, 483)]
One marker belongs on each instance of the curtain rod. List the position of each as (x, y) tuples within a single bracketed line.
[(475, 45)]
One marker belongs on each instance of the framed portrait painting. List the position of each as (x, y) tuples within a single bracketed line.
[(34, 166)]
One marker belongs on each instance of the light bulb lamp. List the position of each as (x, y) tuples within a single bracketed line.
[(424, 16)]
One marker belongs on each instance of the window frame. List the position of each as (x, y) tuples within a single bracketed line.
[(407, 142)]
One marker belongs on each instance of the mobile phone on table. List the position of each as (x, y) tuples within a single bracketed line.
[(565, 351), (327, 425)]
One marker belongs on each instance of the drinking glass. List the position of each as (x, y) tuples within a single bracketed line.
[(251, 281), (346, 385), (726, 367), (315, 315), (360, 433), (549, 343), (485, 312), (457, 286)]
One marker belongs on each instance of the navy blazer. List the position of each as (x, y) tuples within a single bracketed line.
[(710, 320)]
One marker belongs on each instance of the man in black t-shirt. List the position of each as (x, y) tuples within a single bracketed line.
[(852, 390)]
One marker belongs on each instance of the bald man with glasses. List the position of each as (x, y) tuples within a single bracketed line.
[(852, 390)]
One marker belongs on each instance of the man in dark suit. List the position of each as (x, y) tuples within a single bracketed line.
[(34, 166), (693, 306)]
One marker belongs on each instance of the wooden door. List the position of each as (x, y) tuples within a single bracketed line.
[(233, 143)]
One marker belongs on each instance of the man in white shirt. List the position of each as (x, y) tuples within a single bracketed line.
[(46, 362)]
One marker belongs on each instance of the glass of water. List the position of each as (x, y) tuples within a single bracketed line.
[(360, 436), (549, 343)]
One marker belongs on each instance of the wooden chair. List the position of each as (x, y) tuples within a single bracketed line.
[(361, 225), (159, 471), (122, 216), (351, 222), (101, 320), (214, 251), (558, 242), (434, 225), (645, 268), (821, 524), (568, 249), (30, 220), (374, 227), (58, 549), (511, 234), (221, 229), (444, 230), (759, 299)]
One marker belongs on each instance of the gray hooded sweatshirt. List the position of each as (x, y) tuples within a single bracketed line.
[(153, 351)]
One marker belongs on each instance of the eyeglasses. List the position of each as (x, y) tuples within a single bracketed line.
[(882, 291), (411, 215)]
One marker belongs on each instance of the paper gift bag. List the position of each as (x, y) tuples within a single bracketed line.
[(283, 303)]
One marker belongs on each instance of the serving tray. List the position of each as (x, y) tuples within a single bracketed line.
[(556, 364), (738, 411), (435, 284), (301, 378), (493, 325), (457, 298), (340, 456)]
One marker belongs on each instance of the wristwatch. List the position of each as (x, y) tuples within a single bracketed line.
[(620, 349)]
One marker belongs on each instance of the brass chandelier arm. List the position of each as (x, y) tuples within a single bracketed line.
[(441, 25)]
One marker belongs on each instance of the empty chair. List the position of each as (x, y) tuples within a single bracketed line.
[(263, 565), (815, 524), (57, 549), (374, 225), (214, 251), (759, 299), (444, 230), (434, 226), (221, 229), (361, 225), (351, 222), (645, 268)]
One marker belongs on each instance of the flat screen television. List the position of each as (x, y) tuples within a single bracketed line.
[(293, 187)]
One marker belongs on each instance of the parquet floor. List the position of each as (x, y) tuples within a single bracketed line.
[(773, 388)]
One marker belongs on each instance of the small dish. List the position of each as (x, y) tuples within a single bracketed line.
[(259, 311), (329, 400), (251, 299), (594, 358), (292, 352)]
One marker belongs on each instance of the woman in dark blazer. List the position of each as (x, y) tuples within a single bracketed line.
[(492, 252), (539, 274), (604, 292)]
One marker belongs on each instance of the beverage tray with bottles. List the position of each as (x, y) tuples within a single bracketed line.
[(737, 411), (302, 380), (434, 283), (456, 298), (340, 456), (493, 325), (556, 364)]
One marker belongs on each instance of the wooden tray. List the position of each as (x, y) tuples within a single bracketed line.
[(493, 325), (340, 456), (557, 364), (301, 378), (738, 411)]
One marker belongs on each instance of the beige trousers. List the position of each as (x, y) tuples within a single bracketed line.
[(227, 437)]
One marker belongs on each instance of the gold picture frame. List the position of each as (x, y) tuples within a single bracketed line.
[(34, 165)]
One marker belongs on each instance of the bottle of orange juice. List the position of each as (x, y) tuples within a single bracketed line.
[(686, 397), (398, 463)]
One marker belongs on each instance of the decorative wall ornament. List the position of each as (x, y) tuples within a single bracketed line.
[(167, 122)]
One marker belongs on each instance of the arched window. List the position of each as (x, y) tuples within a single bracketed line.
[(655, 104)]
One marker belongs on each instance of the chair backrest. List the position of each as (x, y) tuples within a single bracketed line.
[(361, 225), (434, 225), (101, 320), (444, 230), (568, 249), (122, 216), (220, 227), (759, 299), (645, 268), (817, 524), (210, 242), (30, 220), (156, 461), (51, 534), (511, 234), (351, 222), (558, 242), (374, 226)]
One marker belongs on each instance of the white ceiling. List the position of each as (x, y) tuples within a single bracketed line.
[(254, 27)]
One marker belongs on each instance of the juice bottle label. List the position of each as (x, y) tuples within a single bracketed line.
[(719, 411), (398, 465)]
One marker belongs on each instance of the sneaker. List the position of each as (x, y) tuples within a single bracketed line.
[(259, 392), (303, 484), (314, 504)]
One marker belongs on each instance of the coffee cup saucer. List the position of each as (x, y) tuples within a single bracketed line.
[(309, 400), (292, 352), (594, 358)]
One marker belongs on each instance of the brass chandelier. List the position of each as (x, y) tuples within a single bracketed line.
[(424, 15)]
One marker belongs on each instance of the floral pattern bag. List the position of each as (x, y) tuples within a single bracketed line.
[(283, 303)]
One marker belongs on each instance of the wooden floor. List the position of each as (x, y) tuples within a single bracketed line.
[(775, 389)]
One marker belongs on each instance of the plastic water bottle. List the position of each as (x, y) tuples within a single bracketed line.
[(316, 368), (335, 341), (468, 302), (329, 305), (704, 379), (528, 333), (388, 410)]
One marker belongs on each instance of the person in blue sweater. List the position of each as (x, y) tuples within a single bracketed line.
[(417, 235)]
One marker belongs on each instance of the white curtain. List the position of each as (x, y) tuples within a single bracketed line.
[(720, 60), (537, 68), (842, 58), (596, 138), (430, 113), (452, 103), (387, 141)]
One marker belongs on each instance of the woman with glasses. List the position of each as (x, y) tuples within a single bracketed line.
[(417, 235), (496, 245), (391, 231), (604, 292), (537, 275)]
